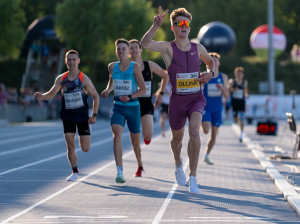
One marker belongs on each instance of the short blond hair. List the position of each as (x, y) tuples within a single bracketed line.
[(122, 40), (135, 41), (214, 54), (72, 52), (180, 12), (239, 69)]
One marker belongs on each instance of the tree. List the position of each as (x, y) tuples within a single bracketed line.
[(35, 9), (92, 26), (242, 16), (11, 31), (287, 18)]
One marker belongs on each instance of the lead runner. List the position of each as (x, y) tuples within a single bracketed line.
[(182, 58)]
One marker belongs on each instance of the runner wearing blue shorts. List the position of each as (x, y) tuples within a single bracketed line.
[(126, 80), (214, 91)]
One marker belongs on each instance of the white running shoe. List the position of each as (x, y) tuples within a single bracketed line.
[(180, 176), (72, 177), (193, 186)]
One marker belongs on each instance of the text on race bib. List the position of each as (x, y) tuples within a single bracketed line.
[(185, 83), (73, 100), (122, 87), (213, 90), (148, 89), (238, 94)]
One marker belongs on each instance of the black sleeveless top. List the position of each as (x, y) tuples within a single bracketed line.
[(74, 100), (238, 95), (148, 81)]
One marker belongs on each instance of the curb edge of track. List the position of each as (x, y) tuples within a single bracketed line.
[(288, 191)]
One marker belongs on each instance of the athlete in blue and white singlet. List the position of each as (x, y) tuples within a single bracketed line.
[(214, 91)]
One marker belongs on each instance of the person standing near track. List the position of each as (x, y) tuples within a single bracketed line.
[(214, 91), (182, 59), (126, 80), (164, 110), (146, 105), (74, 86), (238, 88)]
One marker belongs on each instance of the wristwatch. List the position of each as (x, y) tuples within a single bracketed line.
[(94, 114), (130, 97), (213, 74), (162, 93)]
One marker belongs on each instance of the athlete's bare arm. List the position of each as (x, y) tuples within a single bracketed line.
[(110, 84), (225, 86), (156, 69), (87, 83), (140, 81), (230, 85), (52, 92), (163, 47), (210, 64), (246, 88)]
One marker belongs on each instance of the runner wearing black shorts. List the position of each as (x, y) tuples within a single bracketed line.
[(74, 86)]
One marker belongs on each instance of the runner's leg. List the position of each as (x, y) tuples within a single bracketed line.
[(147, 127), (194, 142)]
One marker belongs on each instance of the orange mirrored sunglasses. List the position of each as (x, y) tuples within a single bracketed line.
[(182, 23)]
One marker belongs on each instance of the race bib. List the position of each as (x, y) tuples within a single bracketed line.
[(148, 89), (213, 90), (122, 87), (238, 94), (186, 84), (73, 100)]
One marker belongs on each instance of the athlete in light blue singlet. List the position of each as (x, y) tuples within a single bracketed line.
[(126, 80), (214, 91)]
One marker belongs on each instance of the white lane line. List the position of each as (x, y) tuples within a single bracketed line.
[(13, 132), (163, 208), (31, 136), (59, 192), (57, 156), (210, 218), (31, 147), (38, 145), (70, 186), (85, 217)]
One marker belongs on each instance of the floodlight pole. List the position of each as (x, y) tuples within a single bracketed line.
[(271, 63)]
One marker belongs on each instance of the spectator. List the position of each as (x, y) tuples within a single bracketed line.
[(295, 53), (12, 95), (3, 94), (35, 73), (35, 51), (45, 50)]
